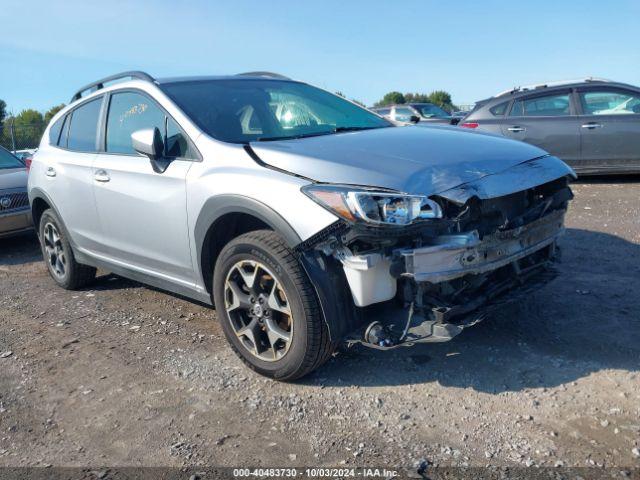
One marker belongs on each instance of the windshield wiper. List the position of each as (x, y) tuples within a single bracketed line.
[(353, 129), (293, 137), (316, 134)]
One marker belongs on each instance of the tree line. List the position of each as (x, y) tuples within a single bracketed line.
[(440, 98), (24, 129), (437, 97)]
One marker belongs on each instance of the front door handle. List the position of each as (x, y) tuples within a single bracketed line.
[(592, 125), (101, 176), (515, 128), (50, 172)]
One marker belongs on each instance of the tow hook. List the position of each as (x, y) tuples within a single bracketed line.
[(379, 335)]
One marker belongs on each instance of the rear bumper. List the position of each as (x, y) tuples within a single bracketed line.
[(15, 222)]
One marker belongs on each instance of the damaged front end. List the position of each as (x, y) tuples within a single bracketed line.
[(486, 241)]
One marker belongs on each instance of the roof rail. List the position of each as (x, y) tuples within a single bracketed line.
[(97, 85), (263, 74), (526, 88)]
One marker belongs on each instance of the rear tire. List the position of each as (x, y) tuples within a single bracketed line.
[(258, 282), (58, 254)]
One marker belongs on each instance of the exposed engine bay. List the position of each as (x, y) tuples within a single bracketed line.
[(427, 282)]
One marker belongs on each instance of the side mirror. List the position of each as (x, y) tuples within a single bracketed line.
[(636, 108), (414, 119), (148, 142)]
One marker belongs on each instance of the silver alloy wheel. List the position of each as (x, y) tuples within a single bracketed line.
[(55, 250), (259, 310)]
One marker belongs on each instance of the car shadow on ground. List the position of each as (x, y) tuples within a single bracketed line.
[(586, 320), (19, 250), (607, 179), (25, 249)]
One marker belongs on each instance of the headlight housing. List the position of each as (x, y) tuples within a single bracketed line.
[(373, 206)]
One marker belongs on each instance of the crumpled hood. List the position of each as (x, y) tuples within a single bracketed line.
[(13, 178), (417, 160)]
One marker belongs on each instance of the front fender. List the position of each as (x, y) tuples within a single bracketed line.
[(220, 205)]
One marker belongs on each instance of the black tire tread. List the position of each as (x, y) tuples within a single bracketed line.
[(320, 347), (80, 275)]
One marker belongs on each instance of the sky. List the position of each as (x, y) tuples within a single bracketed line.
[(363, 48)]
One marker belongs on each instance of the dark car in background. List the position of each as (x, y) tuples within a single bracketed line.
[(15, 214), (592, 124), (460, 114), (415, 113)]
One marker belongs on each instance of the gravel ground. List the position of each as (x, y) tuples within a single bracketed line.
[(121, 374)]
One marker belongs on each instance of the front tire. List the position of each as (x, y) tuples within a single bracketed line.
[(58, 255), (268, 308)]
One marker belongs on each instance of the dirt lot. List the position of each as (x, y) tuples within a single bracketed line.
[(121, 374)]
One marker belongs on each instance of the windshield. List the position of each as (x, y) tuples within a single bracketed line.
[(430, 111), (9, 161), (247, 110)]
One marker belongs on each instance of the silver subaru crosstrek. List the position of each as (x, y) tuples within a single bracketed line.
[(305, 219)]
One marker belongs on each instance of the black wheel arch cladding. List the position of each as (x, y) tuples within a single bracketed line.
[(327, 278)]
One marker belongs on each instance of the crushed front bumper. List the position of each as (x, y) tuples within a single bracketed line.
[(461, 279), (457, 255)]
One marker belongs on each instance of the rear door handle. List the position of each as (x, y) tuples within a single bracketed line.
[(515, 128), (50, 172), (101, 176), (592, 125)]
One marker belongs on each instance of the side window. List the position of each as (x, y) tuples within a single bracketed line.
[(609, 102), (131, 111), (84, 126), (403, 114), (500, 109), (54, 131), (516, 109), (546, 106), (383, 111)]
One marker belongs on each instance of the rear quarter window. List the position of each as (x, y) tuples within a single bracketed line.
[(84, 127), (54, 131)]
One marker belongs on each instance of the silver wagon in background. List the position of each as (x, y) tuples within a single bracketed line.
[(592, 124)]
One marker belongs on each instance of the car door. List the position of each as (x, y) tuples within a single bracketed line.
[(548, 121), (143, 213), (68, 173), (610, 128)]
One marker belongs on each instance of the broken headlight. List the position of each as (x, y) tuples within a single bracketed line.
[(373, 206)]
